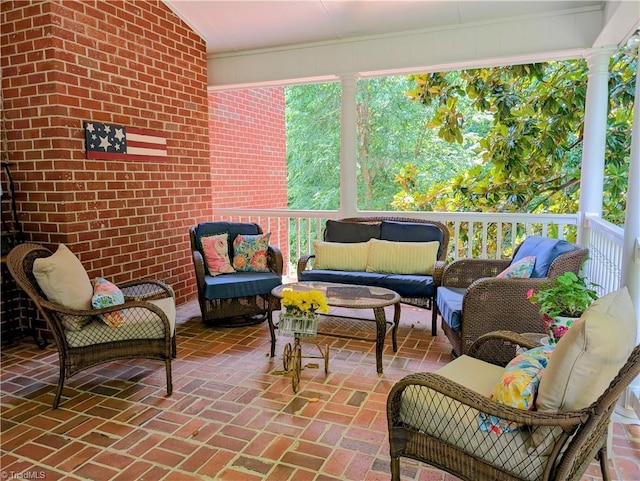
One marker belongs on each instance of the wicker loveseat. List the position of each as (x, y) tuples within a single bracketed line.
[(458, 419), (238, 298), (474, 301), (417, 289)]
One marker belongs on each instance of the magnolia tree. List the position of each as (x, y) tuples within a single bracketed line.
[(529, 160)]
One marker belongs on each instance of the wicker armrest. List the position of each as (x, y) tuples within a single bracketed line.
[(274, 260), (438, 271), (463, 272), (303, 261), (145, 289), (492, 304), (491, 347), (505, 299), (198, 264)]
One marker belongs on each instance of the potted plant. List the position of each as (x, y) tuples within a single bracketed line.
[(562, 301)]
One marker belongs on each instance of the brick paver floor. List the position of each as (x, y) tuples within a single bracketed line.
[(232, 415)]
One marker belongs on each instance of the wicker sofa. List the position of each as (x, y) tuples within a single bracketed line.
[(415, 289)]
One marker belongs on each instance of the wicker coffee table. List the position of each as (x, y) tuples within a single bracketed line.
[(351, 297)]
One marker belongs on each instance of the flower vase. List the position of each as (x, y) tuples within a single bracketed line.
[(557, 326), (304, 324)]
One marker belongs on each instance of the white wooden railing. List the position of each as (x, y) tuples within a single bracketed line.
[(493, 235), (605, 242)]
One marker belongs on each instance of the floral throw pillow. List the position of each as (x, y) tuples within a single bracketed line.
[(517, 387), (216, 253), (107, 294), (250, 252), (520, 269)]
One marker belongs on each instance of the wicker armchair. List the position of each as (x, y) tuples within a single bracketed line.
[(83, 340), (440, 426), (489, 303), (239, 298)]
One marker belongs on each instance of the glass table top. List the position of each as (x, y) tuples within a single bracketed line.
[(345, 295)]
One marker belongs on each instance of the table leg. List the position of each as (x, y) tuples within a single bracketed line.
[(396, 323), (381, 331), (272, 329)]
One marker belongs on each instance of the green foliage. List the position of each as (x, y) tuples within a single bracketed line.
[(530, 158), (566, 295), (312, 115), (391, 138), (504, 139)]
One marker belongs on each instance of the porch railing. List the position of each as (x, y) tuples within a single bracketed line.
[(605, 243), (473, 234)]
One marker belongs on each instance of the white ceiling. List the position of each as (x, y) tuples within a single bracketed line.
[(240, 25)]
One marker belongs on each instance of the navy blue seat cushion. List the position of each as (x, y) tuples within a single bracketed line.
[(240, 284), (411, 232), (408, 286), (233, 228), (545, 250), (342, 277), (449, 302), (348, 232)]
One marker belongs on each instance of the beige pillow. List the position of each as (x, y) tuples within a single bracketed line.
[(341, 256), (389, 257), (589, 355), (63, 279)]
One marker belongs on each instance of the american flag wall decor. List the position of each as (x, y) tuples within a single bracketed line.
[(117, 142)]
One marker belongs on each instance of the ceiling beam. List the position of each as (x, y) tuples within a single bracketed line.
[(506, 42), (622, 19)]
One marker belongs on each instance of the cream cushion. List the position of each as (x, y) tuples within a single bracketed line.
[(485, 375), (63, 279), (138, 323), (457, 424), (589, 355), (387, 257), (341, 256)]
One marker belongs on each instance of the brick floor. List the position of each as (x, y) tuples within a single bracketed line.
[(233, 415)]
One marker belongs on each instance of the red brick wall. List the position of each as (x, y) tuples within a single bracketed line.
[(248, 148), (248, 154), (66, 61)]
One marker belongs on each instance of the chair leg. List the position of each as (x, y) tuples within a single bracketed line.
[(604, 463), (63, 374), (174, 347), (167, 363), (395, 468), (434, 317), (272, 329)]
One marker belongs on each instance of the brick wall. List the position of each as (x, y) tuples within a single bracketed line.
[(66, 61), (248, 154)]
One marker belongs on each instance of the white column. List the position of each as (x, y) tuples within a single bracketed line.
[(631, 246), (348, 147), (631, 241), (595, 130)]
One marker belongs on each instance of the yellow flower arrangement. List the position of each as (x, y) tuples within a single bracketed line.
[(304, 303)]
